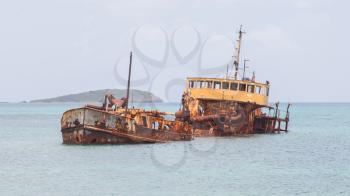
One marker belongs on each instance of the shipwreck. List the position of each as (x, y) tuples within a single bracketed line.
[(227, 106)]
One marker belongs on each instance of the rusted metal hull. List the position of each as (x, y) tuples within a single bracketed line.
[(93, 135), (228, 118), (81, 135), (93, 126)]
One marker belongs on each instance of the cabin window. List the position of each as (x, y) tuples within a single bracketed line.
[(257, 89), (242, 87), (267, 91), (197, 84), (155, 125), (191, 84), (210, 84), (225, 85), (234, 86), (250, 88), (263, 90), (217, 85), (206, 84)]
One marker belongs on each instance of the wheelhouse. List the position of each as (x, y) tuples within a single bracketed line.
[(228, 89)]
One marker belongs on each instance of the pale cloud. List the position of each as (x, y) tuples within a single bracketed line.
[(272, 36), (302, 3)]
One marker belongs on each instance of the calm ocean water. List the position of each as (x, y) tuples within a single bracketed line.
[(312, 159)]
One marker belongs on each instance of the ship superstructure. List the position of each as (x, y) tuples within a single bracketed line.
[(229, 105)]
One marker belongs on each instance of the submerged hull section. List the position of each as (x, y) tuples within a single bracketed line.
[(92, 136), (92, 126), (210, 117)]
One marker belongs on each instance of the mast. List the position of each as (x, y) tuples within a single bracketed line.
[(128, 88), (238, 52)]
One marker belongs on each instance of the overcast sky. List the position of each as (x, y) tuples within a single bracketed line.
[(52, 48)]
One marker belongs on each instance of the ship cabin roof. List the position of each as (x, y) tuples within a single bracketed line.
[(228, 90)]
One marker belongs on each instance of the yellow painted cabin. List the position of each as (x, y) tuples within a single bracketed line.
[(228, 90)]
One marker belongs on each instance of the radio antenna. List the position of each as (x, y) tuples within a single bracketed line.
[(238, 52)]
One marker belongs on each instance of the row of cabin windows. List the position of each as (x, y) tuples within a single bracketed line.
[(230, 86)]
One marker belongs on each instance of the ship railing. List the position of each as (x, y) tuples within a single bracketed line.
[(278, 118)]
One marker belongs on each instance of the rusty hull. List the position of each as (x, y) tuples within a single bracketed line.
[(90, 125), (230, 118)]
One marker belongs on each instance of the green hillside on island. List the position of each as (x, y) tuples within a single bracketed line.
[(136, 96)]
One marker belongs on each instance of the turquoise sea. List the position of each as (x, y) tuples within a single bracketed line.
[(312, 159)]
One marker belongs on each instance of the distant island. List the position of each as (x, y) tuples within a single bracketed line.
[(136, 96)]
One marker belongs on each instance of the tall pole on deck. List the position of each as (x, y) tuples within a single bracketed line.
[(238, 52), (128, 88)]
